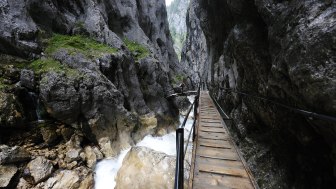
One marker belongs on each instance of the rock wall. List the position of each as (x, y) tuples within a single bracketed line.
[(285, 51), (194, 53), (177, 23), (99, 70)]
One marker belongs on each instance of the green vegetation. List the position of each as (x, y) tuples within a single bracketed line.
[(73, 44), (46, 65), (78, 44), (2, 84), (177, 79), (137, 49)]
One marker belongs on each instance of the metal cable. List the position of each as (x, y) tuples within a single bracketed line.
[(296, 110)]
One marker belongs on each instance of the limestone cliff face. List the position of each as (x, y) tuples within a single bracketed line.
[(285, 51), (177, 23), (194, 53), (101, 69)]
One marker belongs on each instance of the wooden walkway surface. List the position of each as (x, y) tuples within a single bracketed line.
[(216, 161)]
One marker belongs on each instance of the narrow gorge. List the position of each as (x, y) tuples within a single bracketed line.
[(88, 89)]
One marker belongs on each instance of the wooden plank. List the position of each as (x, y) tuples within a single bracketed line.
[(214, 142), (216, 146), (217, 154), (212, 125), (220, 162), (210, 121), (204, 179), (219, 158), (235, 172), (213, 134), (216, 163), (216, 130)]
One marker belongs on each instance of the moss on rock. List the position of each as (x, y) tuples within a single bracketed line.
[(139, 51), (78, 44)]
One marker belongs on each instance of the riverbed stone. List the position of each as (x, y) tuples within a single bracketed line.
[(40, 168), (13, 154), (6, 175), (146, 168), (64, 179), (72, 155), (90, 156)]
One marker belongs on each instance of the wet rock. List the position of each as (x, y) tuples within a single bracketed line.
[(183, 103), (13, 154), (6, 175), (90, 156), (145, 168), (98, 153), (87, 183), (49, 134), (75, 141), (67, 133), (27, 79), (40, 169), (12, 114)]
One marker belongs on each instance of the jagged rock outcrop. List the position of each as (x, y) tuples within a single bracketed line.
[(282, 50), (95, 70)]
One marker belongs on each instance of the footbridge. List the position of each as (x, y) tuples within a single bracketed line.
[(216, 161)]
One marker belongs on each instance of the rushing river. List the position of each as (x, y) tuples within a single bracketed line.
[(106, 170)]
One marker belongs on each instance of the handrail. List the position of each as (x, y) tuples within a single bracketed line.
[(296, 110), (180, 148), (254, 183)]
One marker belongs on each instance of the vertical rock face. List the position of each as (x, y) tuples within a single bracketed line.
[(101, 93), (177, 22), (102, 69), (285, 51), (194, 53)]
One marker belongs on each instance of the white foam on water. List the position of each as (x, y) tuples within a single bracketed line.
[(165, 144), (106, 170)]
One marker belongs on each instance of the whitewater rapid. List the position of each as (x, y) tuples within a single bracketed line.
[(106, 170)]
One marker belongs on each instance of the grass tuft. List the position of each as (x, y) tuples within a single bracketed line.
[(46, 65), (138, 50), (78, 44)]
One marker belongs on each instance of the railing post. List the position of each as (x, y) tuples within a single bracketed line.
[(179, 172), (195, 115)]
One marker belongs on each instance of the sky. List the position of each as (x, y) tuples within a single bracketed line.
[(168, 2)]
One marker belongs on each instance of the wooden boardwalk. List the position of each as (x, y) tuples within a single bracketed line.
[(216, 161)]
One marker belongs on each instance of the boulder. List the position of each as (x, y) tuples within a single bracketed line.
[(14, 154), (6, 175), (40, 169), (11, 111), (145, 168), (27, 79), (67, 133), (49, 134), (23, 184), (90, 156), (87, 183), (63, 179)]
